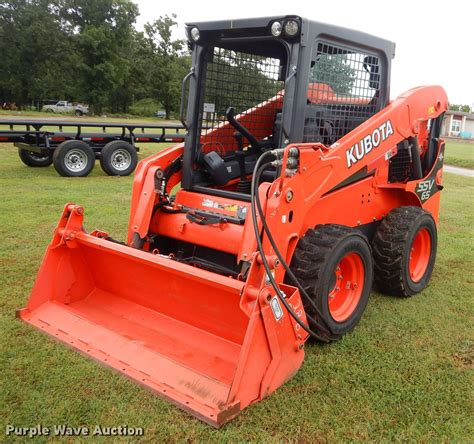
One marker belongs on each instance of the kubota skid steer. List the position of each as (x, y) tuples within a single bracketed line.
[(301, 183)]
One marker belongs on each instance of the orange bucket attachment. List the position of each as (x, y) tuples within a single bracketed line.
[(183, 332)]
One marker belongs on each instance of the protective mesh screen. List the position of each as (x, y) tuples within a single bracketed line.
[(247, 82), (400, 165), (343, 92)]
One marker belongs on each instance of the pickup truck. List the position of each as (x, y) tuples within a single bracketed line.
[(66, 107)]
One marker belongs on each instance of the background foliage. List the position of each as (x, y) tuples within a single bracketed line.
[(463, 108), (88, 51)]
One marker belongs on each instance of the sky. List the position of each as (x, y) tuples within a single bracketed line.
[(434, 39)]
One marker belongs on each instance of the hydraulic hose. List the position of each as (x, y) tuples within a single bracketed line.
[(259, 166), (326, 328)]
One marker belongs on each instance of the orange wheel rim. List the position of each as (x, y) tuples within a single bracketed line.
[(420, 253), (349, 283)]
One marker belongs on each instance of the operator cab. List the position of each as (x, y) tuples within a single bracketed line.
[(256, 85), (260, 84), (242, 84)]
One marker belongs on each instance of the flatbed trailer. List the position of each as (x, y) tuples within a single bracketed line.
[(73, 147)]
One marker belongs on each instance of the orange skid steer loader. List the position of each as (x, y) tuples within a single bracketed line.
[(301, 185)]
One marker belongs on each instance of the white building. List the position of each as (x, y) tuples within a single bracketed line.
[(458, 124)]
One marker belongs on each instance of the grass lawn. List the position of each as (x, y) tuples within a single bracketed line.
[(404, 374), (459, 154)]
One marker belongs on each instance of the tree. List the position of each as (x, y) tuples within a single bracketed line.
[(463, 108), (169, 62), (333, 70), (102, 34), (88, 50), (34, 50), (134, 86)]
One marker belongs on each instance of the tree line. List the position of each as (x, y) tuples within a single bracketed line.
[(463, 108), (89, 51)]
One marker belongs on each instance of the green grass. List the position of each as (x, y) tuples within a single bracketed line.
[(404, 374), (459, 154)]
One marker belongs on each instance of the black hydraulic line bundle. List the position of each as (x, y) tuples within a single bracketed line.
[(262, 163)]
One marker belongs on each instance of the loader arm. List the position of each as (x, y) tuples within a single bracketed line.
[(145, 190), (373, 141), (316, 197)]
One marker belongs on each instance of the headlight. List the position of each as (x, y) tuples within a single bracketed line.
[(291, 28), (276, 29), (195, 34)]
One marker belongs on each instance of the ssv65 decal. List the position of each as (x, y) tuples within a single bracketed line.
[(368, 143)]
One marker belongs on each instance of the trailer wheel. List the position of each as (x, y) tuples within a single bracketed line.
[(405, 247), (334, 265), (73, 158), (78, 112), (33, 159), (118, 158)]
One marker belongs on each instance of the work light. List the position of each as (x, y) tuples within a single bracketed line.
[(291, 28), (195, 34), (276, 29)]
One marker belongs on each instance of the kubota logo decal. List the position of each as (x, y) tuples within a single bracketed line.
[(368, 143)]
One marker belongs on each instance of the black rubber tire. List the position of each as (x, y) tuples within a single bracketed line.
[(62, 160), (109, 165), (78, 113), (35, 160), (392, 245), (314, 263)]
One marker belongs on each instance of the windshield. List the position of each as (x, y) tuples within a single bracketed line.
[(249, 83)]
